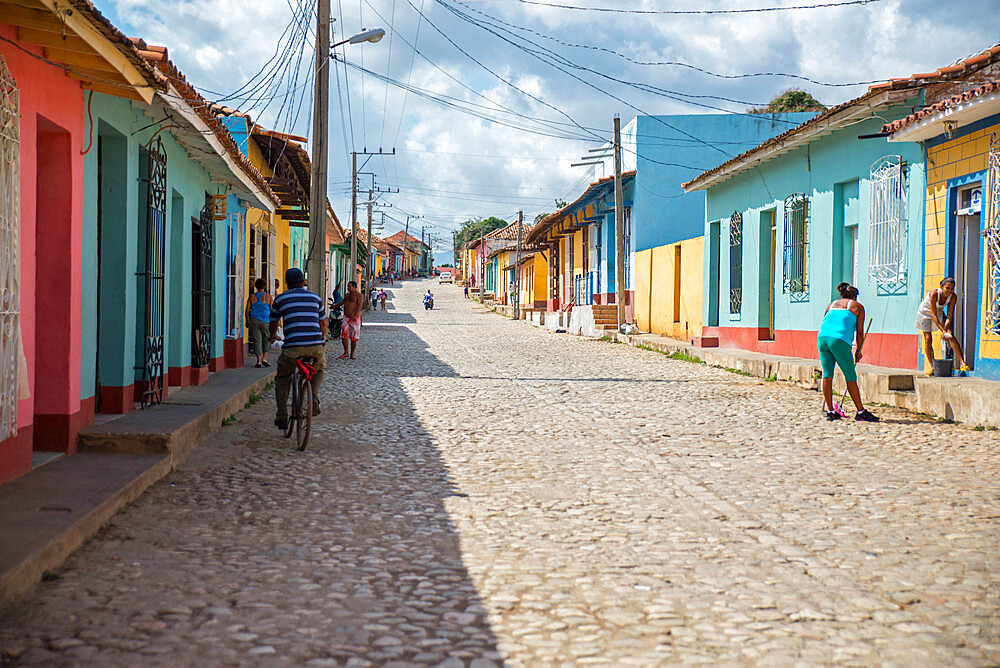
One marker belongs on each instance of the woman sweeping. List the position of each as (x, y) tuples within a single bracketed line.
[(842, 320), (930, 315)]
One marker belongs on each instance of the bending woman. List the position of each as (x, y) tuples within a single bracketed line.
[(931, 313), (842, 319)]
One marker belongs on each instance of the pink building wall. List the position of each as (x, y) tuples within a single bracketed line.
[(52, 140)]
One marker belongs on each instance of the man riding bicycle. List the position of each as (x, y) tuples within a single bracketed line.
[(305, 322)]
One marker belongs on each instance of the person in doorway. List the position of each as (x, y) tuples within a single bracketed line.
[(350, 330), (931, 314), (336, 313), (305, 320), (258, 315), (843, 319)]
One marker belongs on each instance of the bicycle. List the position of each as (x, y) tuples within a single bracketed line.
[(300, 417)]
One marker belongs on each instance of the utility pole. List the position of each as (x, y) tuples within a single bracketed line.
[(517, 268), (354, 217), (619, 227), (482, 264), (317, 190), (406, 243)]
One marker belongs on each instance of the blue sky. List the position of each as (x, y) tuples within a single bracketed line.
[(544, 109)]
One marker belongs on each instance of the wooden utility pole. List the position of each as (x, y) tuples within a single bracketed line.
[(619, 227), (517, 268), (315, 268), (482, 264), (369, 269), (354, 217)]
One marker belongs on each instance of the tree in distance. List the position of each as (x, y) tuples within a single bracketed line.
[(791, 100)]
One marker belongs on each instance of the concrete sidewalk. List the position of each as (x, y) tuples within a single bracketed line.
[(968, 400), (48, 513)]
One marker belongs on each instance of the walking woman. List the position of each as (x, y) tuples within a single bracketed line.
[(258, 314), (931, 313), (843, 319)]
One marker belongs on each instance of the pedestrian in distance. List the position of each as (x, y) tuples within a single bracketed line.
[(843, 319), (305, 321), (350, 330), (382, 296), (258, 316), (336, 314), (466, 291), (931, 314)]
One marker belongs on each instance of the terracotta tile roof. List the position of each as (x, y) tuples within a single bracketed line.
[(954, 100), (914, 82), (955, 71), (545, 224), (399, 238), (158, 56), (508, 233), (124, 43)]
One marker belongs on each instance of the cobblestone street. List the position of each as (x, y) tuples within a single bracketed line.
[(495, 494)]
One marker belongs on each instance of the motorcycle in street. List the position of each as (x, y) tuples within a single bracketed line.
[(428, 302)]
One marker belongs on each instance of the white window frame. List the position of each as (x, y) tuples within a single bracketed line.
[(10, 255), (887, 222)]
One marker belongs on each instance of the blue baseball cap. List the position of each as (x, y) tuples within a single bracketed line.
[(294, 277)]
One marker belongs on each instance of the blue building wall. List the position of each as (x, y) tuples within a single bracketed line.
[(833, 171)]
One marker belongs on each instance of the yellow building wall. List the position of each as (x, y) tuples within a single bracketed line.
[(667, 303), (951, 159)]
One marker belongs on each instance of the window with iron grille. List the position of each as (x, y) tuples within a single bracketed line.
[(10, 256), (735, 263), (991, 235), (887, 234), (796, 247), (234, 275)]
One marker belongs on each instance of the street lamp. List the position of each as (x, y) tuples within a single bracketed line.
[(373, 35)]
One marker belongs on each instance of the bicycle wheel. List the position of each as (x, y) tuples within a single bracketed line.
[(294, 412), (303, 424)]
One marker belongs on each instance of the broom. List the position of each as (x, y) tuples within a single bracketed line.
[(839, 406)]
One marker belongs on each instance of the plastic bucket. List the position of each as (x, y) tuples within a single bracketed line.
[(944, 368)]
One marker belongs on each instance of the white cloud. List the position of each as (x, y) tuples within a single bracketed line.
[(219, 44)]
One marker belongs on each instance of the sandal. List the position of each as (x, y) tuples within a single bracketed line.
[(266, 363), (258, 365)]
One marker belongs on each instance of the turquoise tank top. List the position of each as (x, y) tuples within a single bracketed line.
[(839, 323), (259, 309)]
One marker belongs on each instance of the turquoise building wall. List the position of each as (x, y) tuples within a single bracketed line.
[(833, 171), (123, 129)]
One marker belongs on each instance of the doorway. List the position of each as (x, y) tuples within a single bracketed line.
[(965, 262), (714, 232), (201, 288), (767, 235)]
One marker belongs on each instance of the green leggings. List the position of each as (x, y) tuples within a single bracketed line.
[(836, 351)]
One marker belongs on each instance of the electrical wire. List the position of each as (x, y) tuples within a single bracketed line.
[(751, 10), (672, 63)]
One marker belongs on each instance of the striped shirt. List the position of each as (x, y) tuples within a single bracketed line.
[(302, 312)]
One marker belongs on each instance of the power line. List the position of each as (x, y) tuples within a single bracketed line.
[(753, 10), (672, 63)]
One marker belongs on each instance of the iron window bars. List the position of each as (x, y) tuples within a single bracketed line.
[(796, 246), (202, 291), (991, 235), (735, 263), (887, 234), (10, 256), (155, 276)]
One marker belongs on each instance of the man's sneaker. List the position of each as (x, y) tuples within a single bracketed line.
[(832, 415), (281, 423), (864, 415)]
